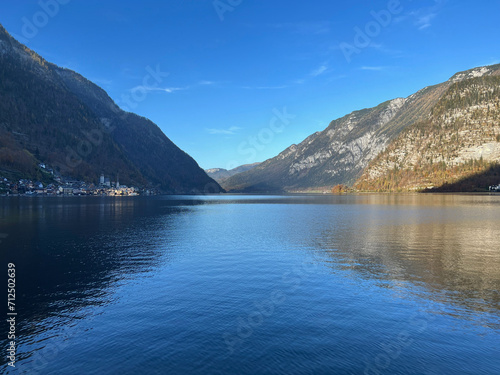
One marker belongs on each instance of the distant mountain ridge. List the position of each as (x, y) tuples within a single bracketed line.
[(221, 174), (54, 115), (341, 153)]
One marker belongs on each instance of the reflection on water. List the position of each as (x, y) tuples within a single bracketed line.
[(99, 279), (451, 252), (71, 252)]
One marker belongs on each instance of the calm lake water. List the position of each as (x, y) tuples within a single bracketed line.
[(375, 284)]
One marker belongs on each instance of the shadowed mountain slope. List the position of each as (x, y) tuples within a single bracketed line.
[(53, 115)]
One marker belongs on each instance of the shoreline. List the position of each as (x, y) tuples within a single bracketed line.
[(254, 194)]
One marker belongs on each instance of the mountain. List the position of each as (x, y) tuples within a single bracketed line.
[(341, 153), (456, 148), (54, 115), (221, 174)]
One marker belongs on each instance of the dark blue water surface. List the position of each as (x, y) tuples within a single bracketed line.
[(373, 284)]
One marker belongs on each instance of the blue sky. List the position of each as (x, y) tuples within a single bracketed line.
[(237, 81)]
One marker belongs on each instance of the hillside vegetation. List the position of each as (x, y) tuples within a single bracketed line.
[(460, 139), (55, 116)]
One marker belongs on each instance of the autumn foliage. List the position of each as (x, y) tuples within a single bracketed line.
[(340, 189)]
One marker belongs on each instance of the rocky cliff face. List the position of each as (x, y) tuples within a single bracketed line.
[(335, 155), (341, 153), (56, 116), (338, 154), (460, 137)]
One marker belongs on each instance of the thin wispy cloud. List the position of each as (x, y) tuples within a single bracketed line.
[(423, 18), (229, 131), (168, 90), (304, 28), (206, 83), (279, 87), (335, 78), (319, 71), (423, 22), (388, 51), (373, 45), (373, 68)]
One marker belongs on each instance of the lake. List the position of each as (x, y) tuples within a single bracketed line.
[(368, 284)]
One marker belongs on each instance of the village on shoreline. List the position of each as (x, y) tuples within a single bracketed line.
[(66, 186)]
